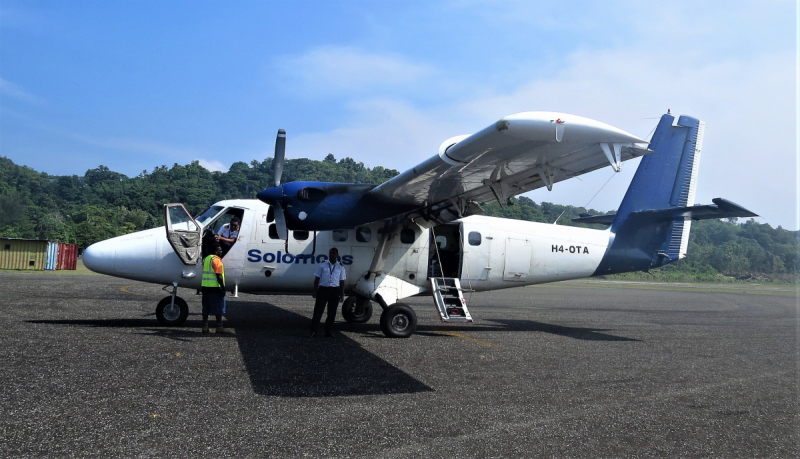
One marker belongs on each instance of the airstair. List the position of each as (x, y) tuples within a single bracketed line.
[(449, 299)]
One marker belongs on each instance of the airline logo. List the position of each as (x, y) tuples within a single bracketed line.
[(255, 256)]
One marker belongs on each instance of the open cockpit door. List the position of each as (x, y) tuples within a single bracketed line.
[(183, 233)]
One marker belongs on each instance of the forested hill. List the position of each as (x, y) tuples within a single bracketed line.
[(102, 204)]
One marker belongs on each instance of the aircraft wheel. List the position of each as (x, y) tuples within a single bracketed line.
[(398, 321), (356, 310), (172, 316)]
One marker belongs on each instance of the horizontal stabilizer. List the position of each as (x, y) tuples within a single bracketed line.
[(722, 208), (602, 219)]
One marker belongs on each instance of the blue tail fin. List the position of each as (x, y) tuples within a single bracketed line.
[(666, 179)]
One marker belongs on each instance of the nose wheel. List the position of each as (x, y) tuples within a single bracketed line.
[(398, 321), (172, 314)]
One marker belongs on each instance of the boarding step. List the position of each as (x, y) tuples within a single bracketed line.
[(449, 299)]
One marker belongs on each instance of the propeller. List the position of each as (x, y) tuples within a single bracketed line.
[(280, 154), (274, 195)]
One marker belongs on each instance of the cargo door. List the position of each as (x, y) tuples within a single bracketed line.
[(477, 256), (183, 233), (517, 260)]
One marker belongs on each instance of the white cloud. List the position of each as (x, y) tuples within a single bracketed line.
[(213, 165), (747, 102), (138, 146), (14, 91), (330, 70)]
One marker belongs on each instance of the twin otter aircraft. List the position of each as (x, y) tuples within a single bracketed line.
[(419, 233)]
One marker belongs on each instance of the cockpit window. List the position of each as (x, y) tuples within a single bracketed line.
[(208, 214)]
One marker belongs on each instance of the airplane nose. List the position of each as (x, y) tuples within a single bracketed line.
[(99, 257), (132, 256)]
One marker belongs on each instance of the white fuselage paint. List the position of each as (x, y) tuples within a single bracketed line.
[(511, 253)]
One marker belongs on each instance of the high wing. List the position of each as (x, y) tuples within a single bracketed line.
[(519, 153)]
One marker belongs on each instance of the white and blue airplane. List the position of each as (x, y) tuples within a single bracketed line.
[(420, 233)]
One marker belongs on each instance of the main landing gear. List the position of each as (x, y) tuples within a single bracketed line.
[(397, 320), (172, 310)]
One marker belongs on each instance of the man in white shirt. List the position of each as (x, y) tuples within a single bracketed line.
[(329, 280), (227, 235)]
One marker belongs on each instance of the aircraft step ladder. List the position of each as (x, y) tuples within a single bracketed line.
[(449, 300)]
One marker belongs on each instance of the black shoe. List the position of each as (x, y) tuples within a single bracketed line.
[(329, 335)]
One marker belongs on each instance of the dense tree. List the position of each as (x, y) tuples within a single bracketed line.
[(103, 203)]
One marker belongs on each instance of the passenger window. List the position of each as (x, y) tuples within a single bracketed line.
[(270, 215), (273, 231), (300, 235), (474, 238), (339, 235), (407, 235), (441, 241), (363, 234)]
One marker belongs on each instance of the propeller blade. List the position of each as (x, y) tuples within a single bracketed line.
[(280, 154), (280, 222)]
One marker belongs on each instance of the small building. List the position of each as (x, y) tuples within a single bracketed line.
[(37, 254)]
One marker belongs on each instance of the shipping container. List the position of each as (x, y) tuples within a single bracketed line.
[(22, 254), (52, 256), (67, 256)]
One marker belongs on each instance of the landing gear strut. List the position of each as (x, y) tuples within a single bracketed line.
[(398, 321), (172, 310)]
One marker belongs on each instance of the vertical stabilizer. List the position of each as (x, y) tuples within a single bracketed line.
[(666, 178)]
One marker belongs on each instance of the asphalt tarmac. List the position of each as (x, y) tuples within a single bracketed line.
[(566, 370)]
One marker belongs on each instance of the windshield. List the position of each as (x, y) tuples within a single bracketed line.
[(208, 214)]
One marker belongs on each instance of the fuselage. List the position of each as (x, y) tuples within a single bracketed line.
[(486, 253)]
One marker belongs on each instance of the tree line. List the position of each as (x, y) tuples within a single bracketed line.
[(103, 204)]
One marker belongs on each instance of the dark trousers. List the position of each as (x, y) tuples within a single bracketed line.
[(329, 296)]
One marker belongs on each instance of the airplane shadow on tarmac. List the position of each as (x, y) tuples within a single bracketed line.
[(281, 360), (279, 356)]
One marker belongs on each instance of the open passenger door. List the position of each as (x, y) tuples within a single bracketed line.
[(183, 233)]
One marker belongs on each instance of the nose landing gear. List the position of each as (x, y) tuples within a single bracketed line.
[(172, 310)]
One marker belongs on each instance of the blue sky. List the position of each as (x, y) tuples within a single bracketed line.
[(134, 85)]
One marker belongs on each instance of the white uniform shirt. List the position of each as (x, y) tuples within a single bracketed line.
[(330, 274), (226, 232)]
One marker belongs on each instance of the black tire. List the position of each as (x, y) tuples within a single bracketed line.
[(398, 321), (172, 318), (357, 310)]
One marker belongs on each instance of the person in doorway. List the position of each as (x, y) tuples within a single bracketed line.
[(329, 280), (213, 287), (227, 235)]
